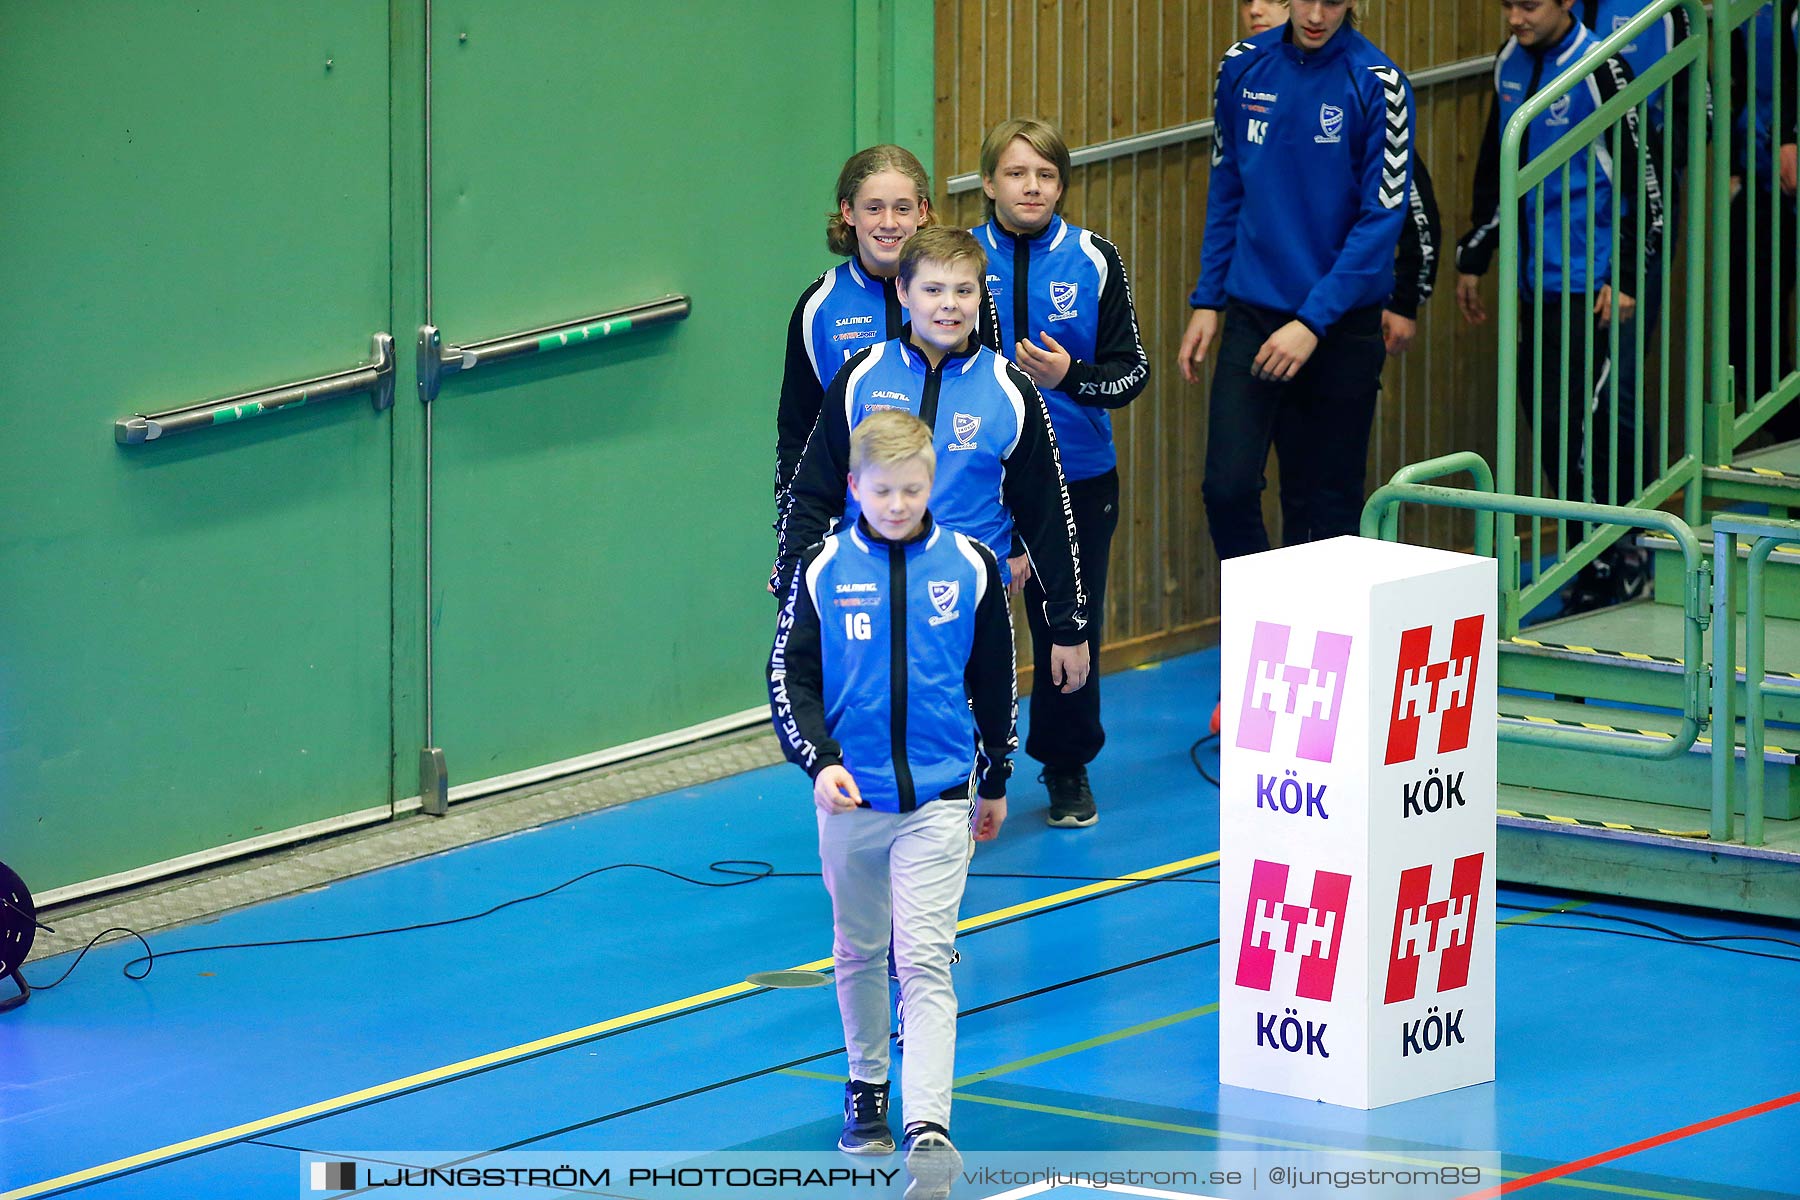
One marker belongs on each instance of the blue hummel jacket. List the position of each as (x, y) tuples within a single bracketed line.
[(889, 657), (844, 310), (1520, 74), (996, 464), (1311, 170), (1073, 288)]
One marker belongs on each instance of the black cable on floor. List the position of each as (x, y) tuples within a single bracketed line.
[(1194, 757)]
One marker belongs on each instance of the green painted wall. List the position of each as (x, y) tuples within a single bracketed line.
[(221, 635)]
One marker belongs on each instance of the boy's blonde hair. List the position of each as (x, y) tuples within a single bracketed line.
[(940, 244), (889, 437), (839, 237), (1041, 136)]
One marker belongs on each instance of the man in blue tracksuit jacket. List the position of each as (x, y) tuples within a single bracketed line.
[(1066, 319), (1312, 167), (1668, 107), (891, 685), (1576, 294)]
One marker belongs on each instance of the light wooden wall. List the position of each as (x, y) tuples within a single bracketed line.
[(1105, 69)]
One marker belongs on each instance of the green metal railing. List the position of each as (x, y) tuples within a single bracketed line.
[(1766, 534), (1379, 515), (1607, 140), (1751, 322)]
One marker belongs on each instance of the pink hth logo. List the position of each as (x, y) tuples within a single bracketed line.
[(1273, 927), (1423, 687), (1275, 688), (1424, 926)]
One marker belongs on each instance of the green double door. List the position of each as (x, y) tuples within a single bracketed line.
[(222, 635)]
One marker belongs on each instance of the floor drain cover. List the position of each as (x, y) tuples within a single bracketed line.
[(789, 979)]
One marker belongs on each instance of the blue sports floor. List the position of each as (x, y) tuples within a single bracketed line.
[(613, 1016)]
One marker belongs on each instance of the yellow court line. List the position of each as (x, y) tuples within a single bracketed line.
[(525, 1049)]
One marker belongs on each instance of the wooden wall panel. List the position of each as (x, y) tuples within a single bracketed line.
[(1105, 69)]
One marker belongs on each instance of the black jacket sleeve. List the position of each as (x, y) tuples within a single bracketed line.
[(1416, 261), (1475, 252), (815, 497), (801, 394), (797, 680), (1121, 368), (1675, 104), (991, 684), (1033, 490), (1640, 228)]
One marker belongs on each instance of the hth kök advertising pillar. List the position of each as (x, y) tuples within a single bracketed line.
[(1356, 815)]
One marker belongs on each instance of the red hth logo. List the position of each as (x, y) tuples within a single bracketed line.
[(1422, 687), (1424, 926), (1273, 927)]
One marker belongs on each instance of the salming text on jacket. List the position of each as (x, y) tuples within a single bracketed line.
[(1519, 74), (844, 310), (996, 464), (1416, 261), (1311, 169), (1070, 283), (889, 658), (1607, 17)]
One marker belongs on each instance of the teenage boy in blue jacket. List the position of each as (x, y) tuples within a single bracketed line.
[(1311, 174), (891, 684), (1548, 41), (1067, 320)]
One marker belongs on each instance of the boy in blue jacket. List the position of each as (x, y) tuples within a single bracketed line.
[(891, 684), (1067, 321)]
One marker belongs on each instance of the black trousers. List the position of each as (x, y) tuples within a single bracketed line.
[(1066, 729), (1755, 273), (1318, 422), (1566, 409)]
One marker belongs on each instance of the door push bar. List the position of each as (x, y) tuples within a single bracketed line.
[(376, 377), (437, 360)]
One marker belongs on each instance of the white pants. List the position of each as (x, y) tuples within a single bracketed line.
[(904, 873)]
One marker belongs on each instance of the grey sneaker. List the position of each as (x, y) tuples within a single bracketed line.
[(931, 1161), (1071, 800), (865, 1119)]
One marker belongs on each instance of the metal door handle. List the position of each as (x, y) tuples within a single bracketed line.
[(437, 360), (376, 377)]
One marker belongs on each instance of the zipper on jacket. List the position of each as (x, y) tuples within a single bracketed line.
[(897, 676), (895, 316), (1021, 291), (928, 402)]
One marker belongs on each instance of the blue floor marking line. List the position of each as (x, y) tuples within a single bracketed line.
[(498, 1058)]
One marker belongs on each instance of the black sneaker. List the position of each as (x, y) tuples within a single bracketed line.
[(865, 1119), (1071, 800), (1619, 574), (931, 1161)]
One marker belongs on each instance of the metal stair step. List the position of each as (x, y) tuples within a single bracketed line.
[(1552, 838), (1684, 782)]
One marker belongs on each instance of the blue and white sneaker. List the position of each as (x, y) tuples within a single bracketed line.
[(865, 1119), (931, 1160)]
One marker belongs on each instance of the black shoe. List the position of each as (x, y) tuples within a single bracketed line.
[(1619, 574), (865, 1119), (1071, 800), (931, 1161)]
